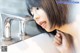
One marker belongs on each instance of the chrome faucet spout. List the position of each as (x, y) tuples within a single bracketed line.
[(7, 29)]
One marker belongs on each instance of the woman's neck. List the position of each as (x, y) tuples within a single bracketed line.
[(68, 28)]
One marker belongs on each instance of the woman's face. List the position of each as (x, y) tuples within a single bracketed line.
[(41, 18)]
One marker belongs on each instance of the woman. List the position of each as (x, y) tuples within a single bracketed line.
[(51, 16)]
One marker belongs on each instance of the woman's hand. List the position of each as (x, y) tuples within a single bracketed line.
[(63, 42)]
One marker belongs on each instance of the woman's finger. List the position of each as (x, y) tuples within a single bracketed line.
[(58, 38), (57, 41)]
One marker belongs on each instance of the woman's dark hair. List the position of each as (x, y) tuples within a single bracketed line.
[(57, 13)]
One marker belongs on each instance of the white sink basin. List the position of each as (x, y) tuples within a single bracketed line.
[(38, 44)]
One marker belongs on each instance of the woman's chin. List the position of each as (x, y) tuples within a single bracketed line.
[(48, 30)]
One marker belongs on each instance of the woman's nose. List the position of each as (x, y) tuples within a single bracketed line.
[(36, 17)]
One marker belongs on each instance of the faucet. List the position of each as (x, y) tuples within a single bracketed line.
[(7, 25)]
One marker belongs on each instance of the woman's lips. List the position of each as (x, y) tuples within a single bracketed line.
[(43, 25)]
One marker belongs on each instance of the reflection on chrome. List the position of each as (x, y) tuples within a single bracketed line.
[(7, 27)]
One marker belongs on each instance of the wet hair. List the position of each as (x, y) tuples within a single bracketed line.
[(57, 13)]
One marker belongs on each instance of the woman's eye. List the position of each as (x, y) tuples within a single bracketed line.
[(29, 11), (37, 8)]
